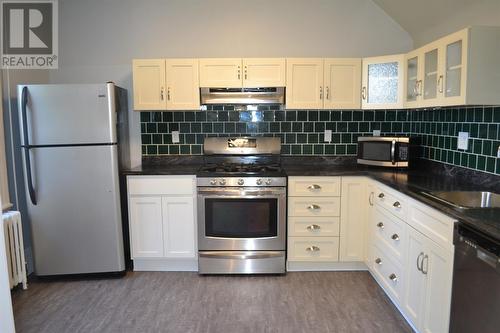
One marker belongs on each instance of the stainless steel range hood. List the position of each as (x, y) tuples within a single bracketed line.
[(242, 95)]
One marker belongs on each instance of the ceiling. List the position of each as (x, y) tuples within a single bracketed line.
[(426, 20)]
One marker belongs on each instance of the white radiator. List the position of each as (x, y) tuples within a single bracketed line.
[(16, 262)]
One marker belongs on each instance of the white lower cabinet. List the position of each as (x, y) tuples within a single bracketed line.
[(162, 222), (428, 288)]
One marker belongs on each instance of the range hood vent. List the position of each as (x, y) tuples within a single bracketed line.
[(246, 96)]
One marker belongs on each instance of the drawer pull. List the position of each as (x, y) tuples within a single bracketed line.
[(314, 187), (312, 248), (380, 225), (393, 277), (381, 195), (395, 237), (378, 261), (313, 207), (397, 204), (313, 227)]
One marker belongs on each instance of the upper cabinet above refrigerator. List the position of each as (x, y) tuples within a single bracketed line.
[(459, 69), (382, 83)]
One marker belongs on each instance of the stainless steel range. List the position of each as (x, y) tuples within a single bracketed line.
[(242, 207)]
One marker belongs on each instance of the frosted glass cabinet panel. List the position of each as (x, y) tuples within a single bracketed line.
[(431, 74), (412, 79), (453, 68), (383, 82)]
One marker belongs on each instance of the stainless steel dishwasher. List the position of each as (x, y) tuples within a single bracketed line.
[(476, 283)]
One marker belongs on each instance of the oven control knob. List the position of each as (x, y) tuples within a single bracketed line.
[(213, 182), (258, 182), (269, 181), (222, 182), (241, 181)]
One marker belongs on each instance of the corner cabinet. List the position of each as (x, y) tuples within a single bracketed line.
[(316, 83), (166, 84), (382, 82), (242, 73), (162, 222)]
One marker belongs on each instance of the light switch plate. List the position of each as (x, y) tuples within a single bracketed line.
[(328, 136), (175, 137), (463, 140), (376, 133)]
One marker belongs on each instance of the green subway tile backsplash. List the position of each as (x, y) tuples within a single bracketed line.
[(302, 131)]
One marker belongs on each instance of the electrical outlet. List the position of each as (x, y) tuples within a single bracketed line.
[(175, 137), (328, 136), (463, 140), (376, 132)]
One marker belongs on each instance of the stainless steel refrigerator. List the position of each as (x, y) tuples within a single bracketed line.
[(73, 141)]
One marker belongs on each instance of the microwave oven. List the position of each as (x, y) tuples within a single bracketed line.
[(394, 152)]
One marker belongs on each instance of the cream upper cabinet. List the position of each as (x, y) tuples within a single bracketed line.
[(413, 79), (149, 84), (382, 82), (342, 81), (264, 72), (453, 73), (183, 91), (315, 83), (304, 83), (221, 73)]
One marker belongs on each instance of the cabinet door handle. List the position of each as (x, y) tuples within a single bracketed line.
[(426, 259), (378, 261), (314, 187), (393, 277), (397, 204), (363, 93), (313, 207), (419, 91), (419, 267), (320, 92), (440, 83), (381, 195), (313, 227), (168, 93), (312, 248), (239, 73), (327, 92), (380, 225), (370, 198), (161, 93), (395, 237)]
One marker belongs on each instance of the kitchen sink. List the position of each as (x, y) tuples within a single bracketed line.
[(465, 199)]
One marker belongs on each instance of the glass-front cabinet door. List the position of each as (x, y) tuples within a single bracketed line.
[(432, 76), (454, 68), (382, 85), (413, 81)]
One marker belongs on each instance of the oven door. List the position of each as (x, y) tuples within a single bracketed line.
[(243, 219)]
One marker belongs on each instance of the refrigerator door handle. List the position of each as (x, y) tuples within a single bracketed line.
[(26, 146)]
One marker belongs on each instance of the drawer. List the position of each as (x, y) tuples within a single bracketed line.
[(391, 200), (313, 248), (314, 186), (313, 226), (431, 223), (161, 185), (388, 272), (306, 206), (389, 232)]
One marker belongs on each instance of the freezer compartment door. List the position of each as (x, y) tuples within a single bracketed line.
[(68, 114), (76, 224)]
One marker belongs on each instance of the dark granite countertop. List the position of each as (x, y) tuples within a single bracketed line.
[(425, 176)]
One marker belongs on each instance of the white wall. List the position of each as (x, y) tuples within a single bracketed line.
[(98, 39)]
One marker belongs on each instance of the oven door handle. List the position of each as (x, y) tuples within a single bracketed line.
[(238, 193), (240, 255)]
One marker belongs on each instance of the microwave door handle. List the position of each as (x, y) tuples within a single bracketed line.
[(26, 146), (393, 152)]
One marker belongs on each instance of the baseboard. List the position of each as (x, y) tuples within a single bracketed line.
[(166, 265), (303, 266)]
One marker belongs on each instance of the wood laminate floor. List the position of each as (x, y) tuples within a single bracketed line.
[(186, 302)]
